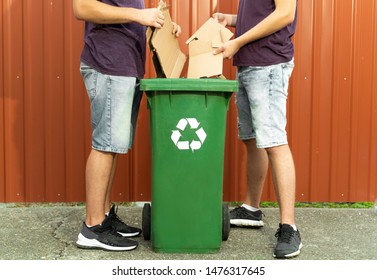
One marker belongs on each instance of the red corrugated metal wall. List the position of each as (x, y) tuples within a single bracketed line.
[(44, 117)]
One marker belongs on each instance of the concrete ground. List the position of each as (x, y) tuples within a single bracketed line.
[(49, 233)]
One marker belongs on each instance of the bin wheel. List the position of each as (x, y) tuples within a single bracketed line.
[(226, 222), (146, 221)]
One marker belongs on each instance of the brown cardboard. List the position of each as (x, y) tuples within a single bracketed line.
[(168, 59), (202, 62)]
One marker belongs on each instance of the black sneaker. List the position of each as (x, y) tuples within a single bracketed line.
[(120, 226), (104, 237), (289, 242), (242, 217)]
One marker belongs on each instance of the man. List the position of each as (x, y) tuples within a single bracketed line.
[(112, 62), (263, 53)]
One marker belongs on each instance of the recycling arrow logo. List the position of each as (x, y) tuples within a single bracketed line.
[(187, 145)]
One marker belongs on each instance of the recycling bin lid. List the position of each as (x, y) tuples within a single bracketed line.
[(205, 85)]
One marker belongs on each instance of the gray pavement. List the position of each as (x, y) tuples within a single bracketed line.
[(49, 232)]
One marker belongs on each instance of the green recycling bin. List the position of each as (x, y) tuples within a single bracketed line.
[(188, 124)]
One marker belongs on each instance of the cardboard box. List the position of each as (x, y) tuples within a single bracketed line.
[(202, 62), (168, 59)]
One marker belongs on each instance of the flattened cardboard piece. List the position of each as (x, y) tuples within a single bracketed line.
[(210, 30), (168, 59), (202, 62)]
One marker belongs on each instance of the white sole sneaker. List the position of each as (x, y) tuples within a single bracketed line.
[(246, 223), (129, 234), (86, 243), (294, 254)]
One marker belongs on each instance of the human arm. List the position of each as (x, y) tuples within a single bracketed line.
[(98, 12), (283, 15)]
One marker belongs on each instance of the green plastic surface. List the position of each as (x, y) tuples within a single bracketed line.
[(215, 85), (188, 136)]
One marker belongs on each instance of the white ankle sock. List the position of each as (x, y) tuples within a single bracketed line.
[(250, 208)]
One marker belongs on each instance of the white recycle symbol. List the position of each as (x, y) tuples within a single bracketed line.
[(186, 145)]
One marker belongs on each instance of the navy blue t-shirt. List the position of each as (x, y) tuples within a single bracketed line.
[(273, 49), (116, 49)]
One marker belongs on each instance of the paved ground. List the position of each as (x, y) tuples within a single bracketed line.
[(50, 232)]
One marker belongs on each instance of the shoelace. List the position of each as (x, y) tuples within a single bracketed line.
[(244, 210), (285, 236), (240, 210), (115, 218), (107, 227)]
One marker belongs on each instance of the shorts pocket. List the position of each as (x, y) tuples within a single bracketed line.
[(89, 76)]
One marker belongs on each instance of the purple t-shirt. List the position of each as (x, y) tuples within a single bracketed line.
[(273, 49), (116, 49)]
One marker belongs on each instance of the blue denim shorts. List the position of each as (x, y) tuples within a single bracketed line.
[(114, 104), (261, 102)]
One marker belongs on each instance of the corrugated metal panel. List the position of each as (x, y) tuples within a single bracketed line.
[(2, 116), (333, 104), (44, 113), (13, 109)]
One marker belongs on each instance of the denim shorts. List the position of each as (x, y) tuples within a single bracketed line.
[(114, 104), (261, 102)]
